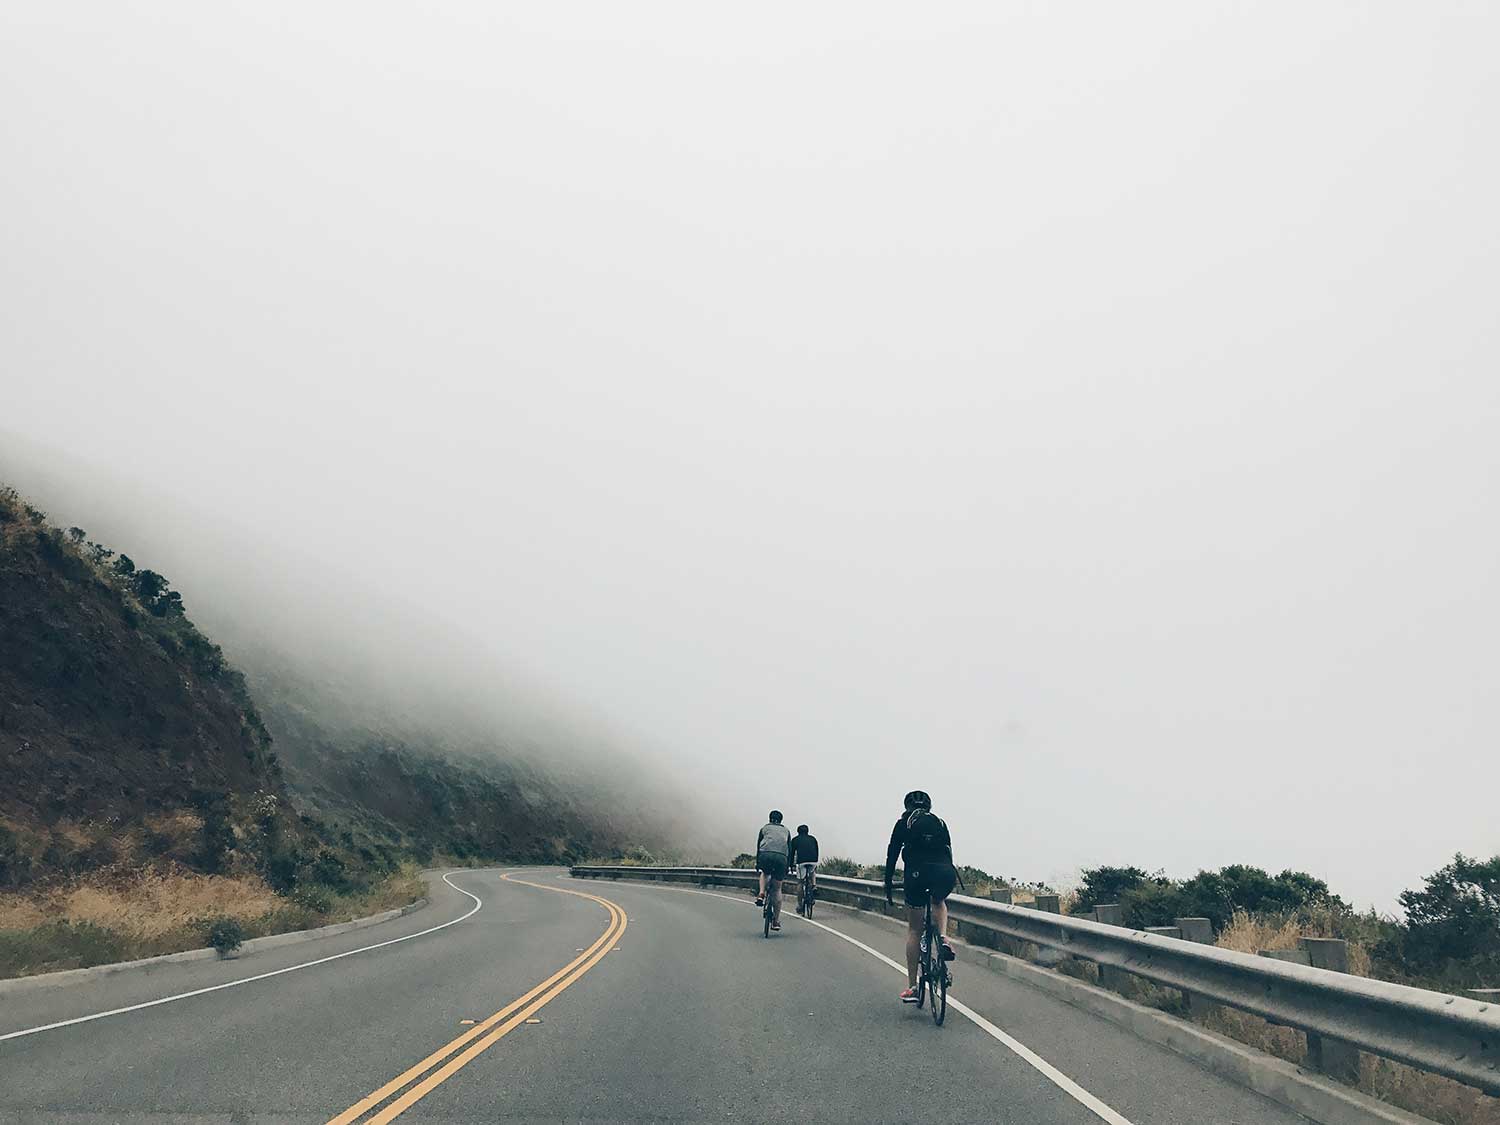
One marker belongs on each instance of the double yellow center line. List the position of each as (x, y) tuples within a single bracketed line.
[(452, 1057)]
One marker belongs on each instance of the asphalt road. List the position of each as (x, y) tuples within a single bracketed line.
[(617, 1002)]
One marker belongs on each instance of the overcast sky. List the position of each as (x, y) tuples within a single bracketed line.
[(1088, 413)]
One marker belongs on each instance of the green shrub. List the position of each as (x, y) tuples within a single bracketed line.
[(743, 860), (330, 870), (313, 897), (226, 935), (838, 865), (1107, 885)]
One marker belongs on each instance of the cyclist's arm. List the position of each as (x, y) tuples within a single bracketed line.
[(892, 850)]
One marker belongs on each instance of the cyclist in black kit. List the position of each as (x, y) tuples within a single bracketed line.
[(928, 848), (804, 851)]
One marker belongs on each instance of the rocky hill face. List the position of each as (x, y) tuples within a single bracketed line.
[(115, 712)]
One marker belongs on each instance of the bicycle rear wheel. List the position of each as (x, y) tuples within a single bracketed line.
[(807, 901), (938, 972), (765, 915)]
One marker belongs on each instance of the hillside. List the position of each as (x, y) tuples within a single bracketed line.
[(116, 715), (127, 739), (381, 778)]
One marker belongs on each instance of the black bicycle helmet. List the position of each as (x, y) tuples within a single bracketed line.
[(775, 816), (802, 830), (917, 799)]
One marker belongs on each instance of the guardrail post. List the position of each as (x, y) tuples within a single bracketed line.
[(1000, 894), (1111, 914), (1333, 1057), (1200, 930), (1052, 904)]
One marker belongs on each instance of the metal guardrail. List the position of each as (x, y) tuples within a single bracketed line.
[(1432, 1031)]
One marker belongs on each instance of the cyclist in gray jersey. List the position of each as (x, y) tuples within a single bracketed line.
[(772, 856)]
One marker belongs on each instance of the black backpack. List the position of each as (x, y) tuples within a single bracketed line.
[(926, 836)]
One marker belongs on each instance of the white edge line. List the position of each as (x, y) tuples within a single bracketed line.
[(478, 905), (1025, 1053)]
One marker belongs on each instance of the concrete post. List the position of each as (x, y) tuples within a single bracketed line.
[(1052, 904), (1000, 894), (1111, 914), (1333, 1057), (1200, 930)]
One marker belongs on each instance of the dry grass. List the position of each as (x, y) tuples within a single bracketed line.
[(118, 915), (154, 904), (1283, 1042), (1430, 1095), (17, 912), (1251, 935)]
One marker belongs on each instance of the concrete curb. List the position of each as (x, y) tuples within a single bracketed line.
[(42, 982), (1282, 1082)]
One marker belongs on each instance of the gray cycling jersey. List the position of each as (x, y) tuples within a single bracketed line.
[(774, 839)]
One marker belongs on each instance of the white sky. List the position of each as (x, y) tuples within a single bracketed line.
[(1087, 413)]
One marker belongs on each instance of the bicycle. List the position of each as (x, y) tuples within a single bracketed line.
[(933, 974), (806, 895), (767, 914)]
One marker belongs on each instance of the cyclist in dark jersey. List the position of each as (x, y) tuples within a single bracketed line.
[(804, 858), (929, 871)]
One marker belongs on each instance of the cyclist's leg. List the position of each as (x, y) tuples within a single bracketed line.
[(775, 900), (943, 880), (915, 917), (914, 894)]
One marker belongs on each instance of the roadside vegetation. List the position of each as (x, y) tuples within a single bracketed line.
[(1447, 939), (120, 914)]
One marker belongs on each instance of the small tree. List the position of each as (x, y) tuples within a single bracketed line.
[(1453, 922), (226, 935)]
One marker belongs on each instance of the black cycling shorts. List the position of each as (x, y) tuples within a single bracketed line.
[(772, 863), (935, 879)]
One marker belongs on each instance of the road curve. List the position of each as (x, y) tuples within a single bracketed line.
[(594, 1001)]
